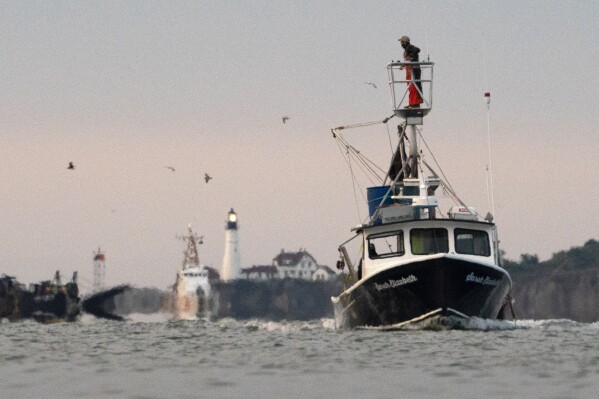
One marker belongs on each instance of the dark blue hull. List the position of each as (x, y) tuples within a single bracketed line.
[(413, 292)]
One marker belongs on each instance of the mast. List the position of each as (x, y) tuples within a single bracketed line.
[(491, 216), (190, 255), (412, 101), (489, 163), (413, 157)]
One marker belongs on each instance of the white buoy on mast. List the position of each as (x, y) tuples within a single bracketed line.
[(231, 268)]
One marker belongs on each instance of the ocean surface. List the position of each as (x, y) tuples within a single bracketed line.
[(154, 357)]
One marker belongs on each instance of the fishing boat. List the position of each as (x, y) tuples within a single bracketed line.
[(414, 262), (48, 301)]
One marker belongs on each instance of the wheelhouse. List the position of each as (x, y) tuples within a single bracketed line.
[(394, 244)]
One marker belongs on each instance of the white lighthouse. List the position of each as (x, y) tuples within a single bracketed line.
[(231, 260)]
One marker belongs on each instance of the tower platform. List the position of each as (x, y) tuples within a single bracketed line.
[(411, 79)]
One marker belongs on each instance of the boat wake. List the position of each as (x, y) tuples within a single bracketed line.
[(161, 317), (283, 326), (450, 323), (443, 323), (478, 324), (557, 325)]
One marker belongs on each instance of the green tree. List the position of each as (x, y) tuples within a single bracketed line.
[(528, 260)]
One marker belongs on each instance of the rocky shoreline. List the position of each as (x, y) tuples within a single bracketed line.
[(563, 287)]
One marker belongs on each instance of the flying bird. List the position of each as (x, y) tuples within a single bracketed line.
[(207, 177), (371, 84), (170, 167), (285, 119), (71, 166)]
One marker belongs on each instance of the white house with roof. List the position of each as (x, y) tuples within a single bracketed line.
[(300, 264)]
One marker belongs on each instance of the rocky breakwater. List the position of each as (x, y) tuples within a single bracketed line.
[(287, 299)]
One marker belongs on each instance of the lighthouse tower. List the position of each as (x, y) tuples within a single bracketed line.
[(99, 270), (231, 268)]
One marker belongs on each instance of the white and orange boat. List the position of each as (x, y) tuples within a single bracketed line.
[(192, 286)]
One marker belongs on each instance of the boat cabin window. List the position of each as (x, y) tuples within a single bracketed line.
[(385, 245), (428, 241), (472, 242)]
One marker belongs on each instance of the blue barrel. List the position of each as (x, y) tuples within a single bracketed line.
[(375, 195)]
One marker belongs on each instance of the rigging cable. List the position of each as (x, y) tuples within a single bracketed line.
[(366, 165), (353, 177), (449, 189), (435, 159), (354, 187), (389, 136), (363, 164)]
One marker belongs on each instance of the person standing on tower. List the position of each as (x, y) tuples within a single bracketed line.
[(409, 49), (411, 54)]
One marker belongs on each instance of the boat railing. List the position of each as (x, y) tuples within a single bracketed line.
[(420, 81)]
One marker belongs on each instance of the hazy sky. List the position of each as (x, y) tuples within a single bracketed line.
[(125, 88)]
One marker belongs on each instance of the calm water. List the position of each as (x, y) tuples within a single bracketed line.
[(151, 357)]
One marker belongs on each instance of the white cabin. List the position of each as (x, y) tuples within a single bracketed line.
[(390, 245)]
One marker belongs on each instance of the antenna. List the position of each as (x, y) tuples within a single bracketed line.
[(489, 168), (428, 52)]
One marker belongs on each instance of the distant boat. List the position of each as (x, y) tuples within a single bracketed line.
[(49, 301), (10, 292), (416, 264), (192, 285)]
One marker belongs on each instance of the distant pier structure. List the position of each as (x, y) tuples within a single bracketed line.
[(99, 271), (231, 268)]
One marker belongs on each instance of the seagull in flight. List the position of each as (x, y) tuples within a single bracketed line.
[(285, 119), (71, 166), (371, 84), (170, 167), (207, 178)]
